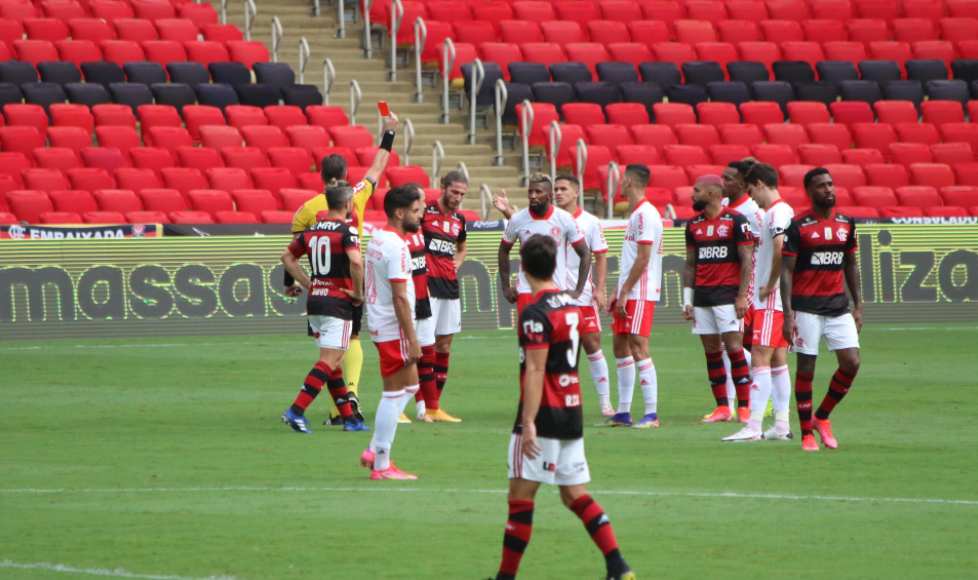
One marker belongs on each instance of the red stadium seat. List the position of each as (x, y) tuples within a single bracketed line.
[(886, 175), (960, 195), (18, 11), (793, 175), (560, 32), (202, 158), (91, 179), (907, 153), (737, 31), (183, 180), (583, 114), (169, 138), (137, 179), (250, 52), (654, 135), (915, 30), (73, 201), (719, 52), (134, 29), (589, 53), (543, 52), (817, 154), (153, 9), (122, 51), (609, 32), (108, 158), (163, 200), (805, 113), (673, 114), (692, 32), (928, 9), (295, 159), (935, 49), (776, 155), (822, 31), (58, 217), (117, 200), (795, 10), (924, 133), (966, 173), (786, 134), (399, 176), (60, 158), (674, 52), (893, 112), (292, 199), (938, 113), (158, 116), (921, 197), (210, 201), (644, 154), (932, 175), (868, 30), (627, 114), (222, 33), (176, 29), (782, 31), (72, 116), (147, 217), (191, 217), (201, 14), (206, 52), (595, 170), (502, 54), (810, 52), (877, 136), (307, 137), (254, 201), (851, 112), (766, 52), (283, 116), (245, 157), (684, 155), (701, 136), (155, 158), (50, 29), (761, 113), (746, 135), (21, 139), (956, 30), (609, 136), (229, 178), (830, 133), (748, 10), (29, 205), (356, 136), (264, 137), (668, 177), (859, 211), (946, 211), (114, 115), (110, 10), (895, 51), (35, 51), (12, 165), (621, 11), (233, 217), (956, 133), (90, 29), (45, 180), (724, 154), (326, 116), (492, 12), (711, 11), (569, 133), (277, 217), (18, 115), (580, 12), (275, 179), (847, 176)]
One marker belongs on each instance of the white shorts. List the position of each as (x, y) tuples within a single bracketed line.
[(839, 332), (716, 320), (425, 329), (562, 461), (447, 314), (331, 332)]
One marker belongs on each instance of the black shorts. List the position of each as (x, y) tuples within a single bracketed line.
[(357, 319)]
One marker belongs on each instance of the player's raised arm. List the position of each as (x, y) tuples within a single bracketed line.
[(501, 202), (384, 152)]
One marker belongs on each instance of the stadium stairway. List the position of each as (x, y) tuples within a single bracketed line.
[(371, 75)]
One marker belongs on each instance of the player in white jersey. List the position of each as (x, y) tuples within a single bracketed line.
[(592, 300), (633, 303), (542, 218), (769, 363), (390, 302)]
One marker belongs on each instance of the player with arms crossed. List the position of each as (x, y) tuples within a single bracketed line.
[(542, 218), (769, 361), (633, 307), (390, 315), (547, 443), (716, 280), (334, 170), (819, 261), (444, 236), (334, 290), (566, 191)]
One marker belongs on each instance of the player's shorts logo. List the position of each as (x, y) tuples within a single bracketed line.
[(551, 467)]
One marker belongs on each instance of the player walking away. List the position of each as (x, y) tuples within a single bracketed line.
[(390, 314), (633, 307), (335, 289), (716, 281), (334, 170), (770, 352), (592, 301), (541, 217), (735, 196), (819, 252), (547, 444), (444, 236)]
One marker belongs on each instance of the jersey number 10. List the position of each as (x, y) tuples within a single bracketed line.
[(320, 257)]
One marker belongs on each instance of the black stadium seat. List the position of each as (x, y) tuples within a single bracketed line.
[(17, 72), (145, 73), (529, 73), (664, 74), (258, 95), (911, 91), (600, 93), (947, 91), (816, 91), (647, 94), (836, 71), (778, 92), (728, 92), (487, 92), (44, 94), (965, 69), (188, 73), (10, 94), (230, 73), (277, 74), (616, 72), (59, 72), (570, 72), (517, 93), (303, 96), (691, 95), (131, 94), (702, 72), (557, 94), (865, 91), (103, 73), (88, 94), (748, 72), (880, 71), (216, 95), (793, 71), (924, 70), (174, 94)]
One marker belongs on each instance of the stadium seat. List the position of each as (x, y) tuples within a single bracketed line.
[(906, 153), (233, 217), (134, 29), (956, 133), (786, 134), (108, 158), (169, 138), (952, 153), (862, 157), (245, 158), (793, 175), (191, 217), (229, 178), (58, 217), (668, 177), (877, 136), (166, 201), (117, 200), (886, 175), (59, 73), (741, 134), (27, 115), (830, 133), (147, 217), (206, 52), (28, 205), (173, 94), (559, 32), (295, 159), (275, 179), (133, 96), (154, 158), (776, 155), (45, 180), (165, 52), (151, 116), (21, 139), (137, 180), (59, 158), (817, 154), (292, 198), (73, 201), (684, 155), (183, 180), (931, 175), (924, 133), (247, 52), (114, 115), (918, 197), (210, 201), (201, 158)]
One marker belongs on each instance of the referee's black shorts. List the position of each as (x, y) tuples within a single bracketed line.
[(357, 319)]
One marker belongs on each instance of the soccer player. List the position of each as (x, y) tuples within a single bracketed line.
[(334, 170), (547, 443), (390, 315), (335, 289), (541, 217), (444, 236), (819, 261), (566, 191), (716, 280), (770, 351), (633, 307)]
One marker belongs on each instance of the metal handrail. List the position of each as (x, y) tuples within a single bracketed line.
[(447, 65), (356, 95), (224, 11), (408, 141), (329, 77), (485, 198), (581, 160), (502, 95), (464, 169), (614, 180), (478, 75), (670, 211), (526, 123), (315, 8), (305, 55), (556, 138), (397, 14), (437, 158), (277, 34), (340, 18), (251, 13), (420, 38), (368, 51)]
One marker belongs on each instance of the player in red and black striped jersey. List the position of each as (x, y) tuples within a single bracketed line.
[(444, 236), (716, 291), (335, 288), (547, 444), (819, 261)]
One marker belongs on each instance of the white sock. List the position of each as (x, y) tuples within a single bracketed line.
[(731, 389), (420, 406), (599, 373), (760, 393), (410, 392), (650, 384), (385, 426), (626, 383), (781, 397)]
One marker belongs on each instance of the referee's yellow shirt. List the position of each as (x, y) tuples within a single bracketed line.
[(310, 211)]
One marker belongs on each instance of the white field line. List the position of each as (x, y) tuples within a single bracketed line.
[(731, 494), (116, 573)]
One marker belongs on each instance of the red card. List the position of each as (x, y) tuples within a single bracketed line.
[(385, 111)]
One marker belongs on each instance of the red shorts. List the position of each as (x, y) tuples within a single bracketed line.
[(393, 356), (590, 321), (522, 301), (748, 326), (767, 329), (638, 320)]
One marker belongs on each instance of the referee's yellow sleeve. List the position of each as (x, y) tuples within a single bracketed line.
[(361, 195)]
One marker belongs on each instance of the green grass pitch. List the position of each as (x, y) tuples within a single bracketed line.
[(166, 457)]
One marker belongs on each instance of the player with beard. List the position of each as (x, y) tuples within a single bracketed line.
[(541, 217), (391, 307), (566, 191), (334, 290), (819, 261), (716, 281)]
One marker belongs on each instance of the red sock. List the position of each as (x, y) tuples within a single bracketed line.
[(426, 374), (337, 390), (718, 377), (311, 388), (518, 530), (740, 373), (596, 523), (441, 371), (838, 388), (803, 399)]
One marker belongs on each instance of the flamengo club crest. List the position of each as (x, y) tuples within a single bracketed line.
[(16, 232), (138, 231), (842, 234), (722, 231)]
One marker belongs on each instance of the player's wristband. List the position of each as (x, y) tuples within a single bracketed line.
[(289, 280), (687, 297), (388, 141)]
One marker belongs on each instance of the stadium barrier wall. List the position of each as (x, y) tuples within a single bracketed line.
[(65, 288)]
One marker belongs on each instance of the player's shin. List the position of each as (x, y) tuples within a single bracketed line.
[(385, 426), (598, 526), (599, 373), (650, 385), (519, 527), (718, 377), (838, 389), (626, 383), (311, 387), (337, 390), (740, 372), (760, 393), (781, 397), (441, 371), (426, 374), (352, 365), (803, 399), (731, 389)]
